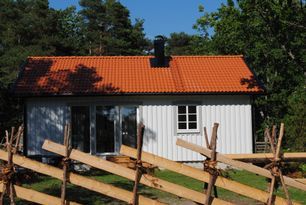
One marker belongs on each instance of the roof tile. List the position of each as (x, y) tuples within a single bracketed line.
[(134, 74)]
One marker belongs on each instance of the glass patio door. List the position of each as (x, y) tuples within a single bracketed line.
[(128, 125), (106, 129), (115, 125), (80, 128)]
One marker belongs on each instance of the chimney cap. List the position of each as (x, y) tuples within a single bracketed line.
[(160, 38), (160, 59)]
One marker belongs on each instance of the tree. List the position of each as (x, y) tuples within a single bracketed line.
[(31, 27), (271, 35), (185, 44), (295, 120), (27, 28), (108, 29), (180, 44), (69, 39)]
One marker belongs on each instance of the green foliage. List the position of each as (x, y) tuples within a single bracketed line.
[(185, 44), (26, 28), (271, 35), (303, 167), (108, 29), (295, 120)]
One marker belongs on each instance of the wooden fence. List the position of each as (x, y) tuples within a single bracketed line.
[(210, 174)]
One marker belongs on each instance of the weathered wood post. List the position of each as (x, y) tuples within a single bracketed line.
[(208, 145), (210, 164), (139, 168), (66, 163), (7, 171), (275, 165)]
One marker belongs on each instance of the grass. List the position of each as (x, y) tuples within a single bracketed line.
[(52, 186)]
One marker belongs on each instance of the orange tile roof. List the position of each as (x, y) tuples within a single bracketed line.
[(67, 75)]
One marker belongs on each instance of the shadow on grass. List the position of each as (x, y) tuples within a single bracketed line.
[(81, 195)]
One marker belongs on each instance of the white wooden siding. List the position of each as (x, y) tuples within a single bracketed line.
[(45, 120), (47, 116), (233, 113)]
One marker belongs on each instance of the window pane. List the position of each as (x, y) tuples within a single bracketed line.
[(192, 109), (105, 129), (192, 118), (192, 125), (181, 109), (182, 118), (182, 126), (80, 128), (129, 126)]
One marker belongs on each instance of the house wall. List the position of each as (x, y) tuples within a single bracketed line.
[(46, 118)]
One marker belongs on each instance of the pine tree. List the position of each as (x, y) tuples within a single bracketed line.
[(108, 29)]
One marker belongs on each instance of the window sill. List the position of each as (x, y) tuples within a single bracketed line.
[(188, 131)]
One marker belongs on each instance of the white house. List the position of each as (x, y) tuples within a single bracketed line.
[(105, 97)]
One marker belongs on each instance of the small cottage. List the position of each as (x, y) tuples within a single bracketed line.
[(105, 97)]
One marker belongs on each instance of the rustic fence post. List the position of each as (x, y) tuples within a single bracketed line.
[(208, 145), (66, 162), (7, 171), (275, 165), (210, 164), (139, 168)]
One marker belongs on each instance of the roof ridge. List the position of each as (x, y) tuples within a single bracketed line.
[(208, 56), (87, 56), (148, 56)]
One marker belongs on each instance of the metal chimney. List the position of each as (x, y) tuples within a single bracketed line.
[(159, 51)]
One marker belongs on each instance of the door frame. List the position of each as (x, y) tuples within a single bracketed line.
[(116, 132), (92, 121)]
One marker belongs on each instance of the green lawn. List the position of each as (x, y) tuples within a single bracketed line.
[(52, 186)]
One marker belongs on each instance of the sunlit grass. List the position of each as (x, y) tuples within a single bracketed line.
[(52, 186)]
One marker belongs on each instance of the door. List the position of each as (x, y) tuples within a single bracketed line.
[(105, 129), (128, 125), (80, 128), (115, 125)]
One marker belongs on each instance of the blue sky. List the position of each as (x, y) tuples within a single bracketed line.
[(160, 16)]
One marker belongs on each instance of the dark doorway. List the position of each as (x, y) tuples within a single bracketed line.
[(80, 128), (128, 126), (105, 129)]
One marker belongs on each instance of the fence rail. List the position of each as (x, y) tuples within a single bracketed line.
[(209, 175)]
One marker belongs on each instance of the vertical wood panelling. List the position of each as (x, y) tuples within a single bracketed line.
[(235, 131), (237, 128), (46, 119), (170, 131), (164, 125)]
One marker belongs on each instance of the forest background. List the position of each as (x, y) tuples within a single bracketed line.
[(271, 34)]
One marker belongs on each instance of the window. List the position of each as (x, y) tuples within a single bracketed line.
[(187, 118)]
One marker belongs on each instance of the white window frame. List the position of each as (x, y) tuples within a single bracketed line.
[(187, 130)]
